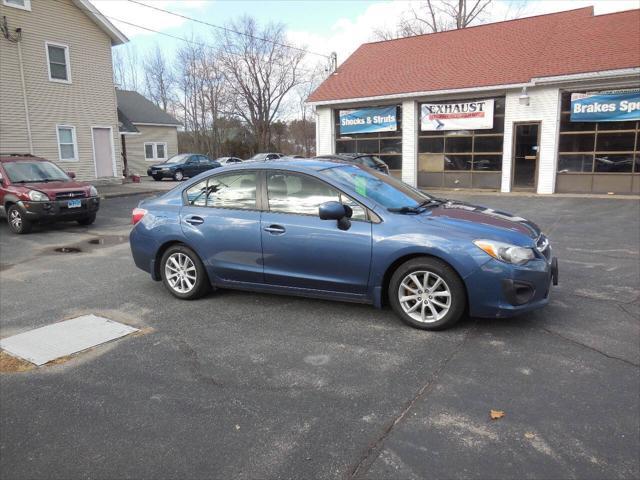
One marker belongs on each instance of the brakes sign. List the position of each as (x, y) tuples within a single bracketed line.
[(605, 107)]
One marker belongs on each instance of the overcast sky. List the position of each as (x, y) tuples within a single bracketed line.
[(320, 26)]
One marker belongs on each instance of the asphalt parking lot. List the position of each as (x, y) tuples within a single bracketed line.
[(242, 385)]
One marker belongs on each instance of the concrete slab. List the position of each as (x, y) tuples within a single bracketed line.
[(45, 344)]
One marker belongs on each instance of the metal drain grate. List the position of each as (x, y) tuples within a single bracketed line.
[(45, 344)]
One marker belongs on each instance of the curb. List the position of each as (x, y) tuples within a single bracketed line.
[(104, 196)]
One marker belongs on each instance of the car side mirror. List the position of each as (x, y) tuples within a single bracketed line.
[(71, 174), (336, 211)]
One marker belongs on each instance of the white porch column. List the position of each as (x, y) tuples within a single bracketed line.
[(325, 131), (410, 142)]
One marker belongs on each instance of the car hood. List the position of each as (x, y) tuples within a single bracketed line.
[(164, 165), (488, 218), (51, 188)]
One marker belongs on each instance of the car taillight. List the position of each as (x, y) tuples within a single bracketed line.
[(137, 215)]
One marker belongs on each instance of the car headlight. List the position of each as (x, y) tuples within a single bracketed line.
[(37, 196), (506, 252), (166, 168), (93, 191)]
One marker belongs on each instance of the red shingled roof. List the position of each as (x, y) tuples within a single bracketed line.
[(500, 53)]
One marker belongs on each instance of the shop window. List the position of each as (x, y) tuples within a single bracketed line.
[(386, 145), (431, 145), (597, 147), (458, 144), (487, 163), (457, 162), (577, 142), (616, 142), (487, 144), (614, 163), (575, 163)]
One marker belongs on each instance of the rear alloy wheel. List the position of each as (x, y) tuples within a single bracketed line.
[(427, 293), (178, 176), (183, 273), (17, 222)]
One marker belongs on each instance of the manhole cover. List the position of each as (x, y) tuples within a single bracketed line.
[(68, 250), (45, 344)]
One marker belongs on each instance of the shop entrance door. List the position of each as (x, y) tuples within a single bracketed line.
[(525, 155)]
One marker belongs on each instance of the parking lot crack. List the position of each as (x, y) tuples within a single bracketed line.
[(375, 447), (194, 363), (589, 347)]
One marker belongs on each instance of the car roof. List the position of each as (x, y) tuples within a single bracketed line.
[(294, 164), (20, 157)]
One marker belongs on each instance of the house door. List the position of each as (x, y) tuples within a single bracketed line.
[(525, 158), (103, 151)]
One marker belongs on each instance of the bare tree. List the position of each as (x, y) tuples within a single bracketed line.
[(159, 79), (437, 16), (125, 67), (261, 69)]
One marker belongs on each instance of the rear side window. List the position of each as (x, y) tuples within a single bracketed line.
[(232, 190)]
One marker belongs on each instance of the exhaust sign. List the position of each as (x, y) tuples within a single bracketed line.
[(473, 115)]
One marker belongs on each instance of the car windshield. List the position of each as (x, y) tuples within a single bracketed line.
[(382, 189), (180, 158), (30, 172)]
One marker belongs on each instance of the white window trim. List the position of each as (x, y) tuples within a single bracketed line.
[(75, 143), (66, 59), (155, 151), (26, 6)]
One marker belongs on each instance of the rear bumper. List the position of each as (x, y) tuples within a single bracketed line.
[(58, 210), (498, 290)]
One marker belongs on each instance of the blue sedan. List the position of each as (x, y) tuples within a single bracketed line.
[(329, 229)]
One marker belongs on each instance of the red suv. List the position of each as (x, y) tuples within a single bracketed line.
[(33, 189)]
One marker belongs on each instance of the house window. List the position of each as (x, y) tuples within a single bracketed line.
[(58, 60), (22, 4), (155, 151), (67, 143)]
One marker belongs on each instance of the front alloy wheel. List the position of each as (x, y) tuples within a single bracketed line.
[(178, 176), (183, 273), (424, 296), (17, 222), (427, 293)]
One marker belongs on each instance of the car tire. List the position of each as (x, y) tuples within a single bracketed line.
[(428, 294), (87, 220), (190, 280), (17, 221), (157, 178), (178, 176)]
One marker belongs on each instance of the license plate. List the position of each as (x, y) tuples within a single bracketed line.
[(74, 204)]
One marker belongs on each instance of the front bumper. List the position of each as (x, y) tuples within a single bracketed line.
[(156, 172), (58, 210), (498, 289)]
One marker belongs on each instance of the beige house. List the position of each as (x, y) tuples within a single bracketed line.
[(57, 96), (149, 135)]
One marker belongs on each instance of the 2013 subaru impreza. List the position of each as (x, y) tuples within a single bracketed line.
[(327, 229)]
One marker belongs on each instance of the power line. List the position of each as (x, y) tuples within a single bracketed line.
[(226, 29), (175, 37)]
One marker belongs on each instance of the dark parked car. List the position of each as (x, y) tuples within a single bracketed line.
[(181, 166), (261, 157), (228, 160), (33, 189), (329, 229), (365, 159)]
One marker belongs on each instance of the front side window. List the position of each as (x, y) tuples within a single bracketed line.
[(233, 190), (67, 146), (58, 58), (22, 4), (302, 195), (155, 151)]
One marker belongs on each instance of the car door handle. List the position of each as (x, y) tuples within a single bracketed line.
[(275, 229), (194, 220)]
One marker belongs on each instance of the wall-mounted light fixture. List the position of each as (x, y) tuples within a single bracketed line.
[(524, 97)]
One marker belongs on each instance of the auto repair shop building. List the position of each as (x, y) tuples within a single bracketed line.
[(548, 103)]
